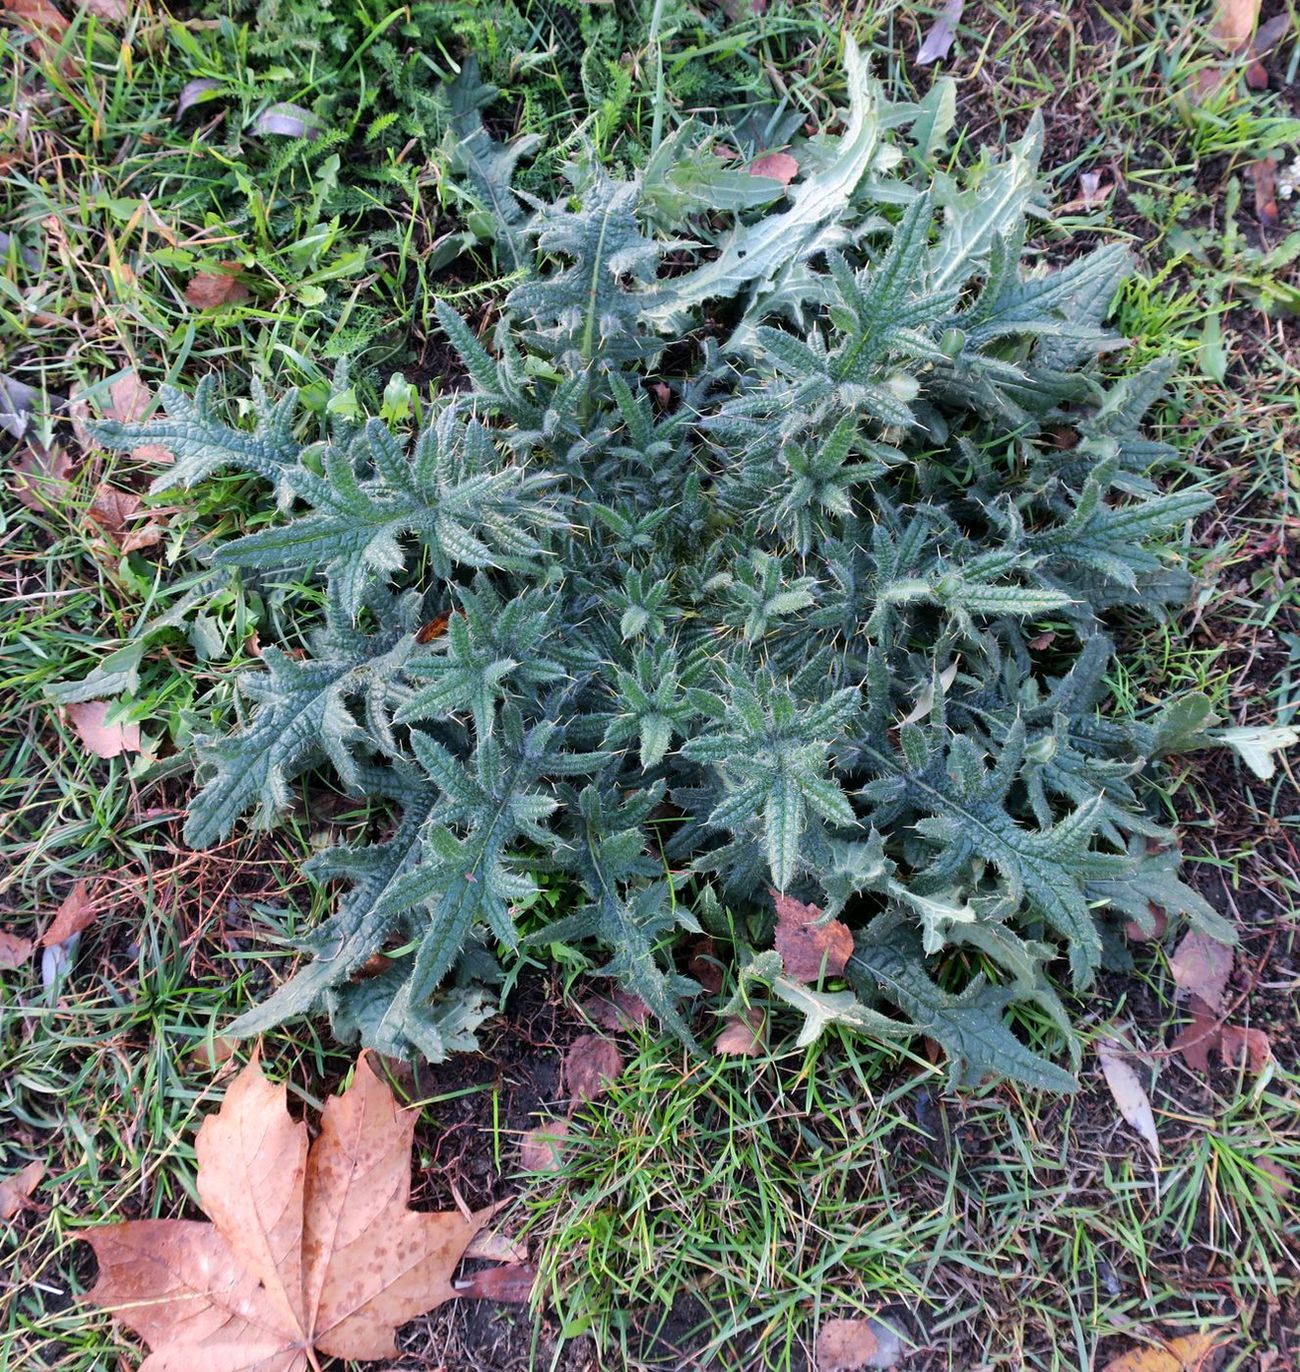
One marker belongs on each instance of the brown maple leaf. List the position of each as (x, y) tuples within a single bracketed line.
[(309, 1251), (809, 949)]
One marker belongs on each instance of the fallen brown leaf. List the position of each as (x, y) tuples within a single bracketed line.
[(776, 166), (79, 908), (1263, 176), (592, 1062), (115, 11), (704, 965), (1239, 1047), (208, 290), (509, 1285), (846, 1345), (809, 949), (1234, 22), (42, 477), (1187, 1353), (16, 1191), (742, 1035), (309, 1251), (89, 720), (1276, 1180), (14, 951), (1159, 923), (1199, 1037), (618, 1011), (1201, 967), (542, 1149)]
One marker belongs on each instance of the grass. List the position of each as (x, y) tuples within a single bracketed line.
[(709, 1209)]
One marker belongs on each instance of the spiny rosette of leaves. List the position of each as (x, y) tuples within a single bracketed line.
[(784, 568)]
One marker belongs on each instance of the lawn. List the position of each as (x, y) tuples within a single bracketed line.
[(276, 195)]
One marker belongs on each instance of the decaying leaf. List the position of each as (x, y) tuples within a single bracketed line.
[(208, 290), (115, 11), (1263, 176), (1129, 1093), (42, 476), (16, 1191), (541, 1149), (618, 1011), (1201, 967), (937, 43), (1234, 23), (1196, 1040), (309, 1251), (287, 121), (1240, 1047), (511, 1284), (592, 1062), (14, 951), (129, 401), (809, 949), (742, 1035), (845, 1345), (79, 908), (1274, 1179), (89, 719), (1187, 1353), (776, 166)]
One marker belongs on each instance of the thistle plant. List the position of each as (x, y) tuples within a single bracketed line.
[(774, 556)]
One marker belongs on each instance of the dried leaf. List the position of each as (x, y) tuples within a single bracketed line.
[(1159, 923), (309, 1251), (1129, 1093), (193, 92), (209, 290), (619, 1011), (89, 719), (15, 1191), (17, 400), (1187, 1353), (1196, 1040), (14, 951), (115, 11), (287, 121), (78, 911), (705, 966), (41, 477), (1201, 967), (542, 1149), (1275, 1179), (937, 43), (510, 1285), (111, 508), (809, 949), (592, 1062), (1239, 1046), (1263, 175), (776, 166), (742, 1036), (492, 1246), (844, 1345), (1234, 23)]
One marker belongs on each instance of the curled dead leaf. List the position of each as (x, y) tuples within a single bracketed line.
[(810, 947), (77, 912)]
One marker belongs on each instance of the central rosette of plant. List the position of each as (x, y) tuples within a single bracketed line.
[(783, 570)]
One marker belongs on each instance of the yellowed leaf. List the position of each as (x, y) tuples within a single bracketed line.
[(1187, 1353)]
